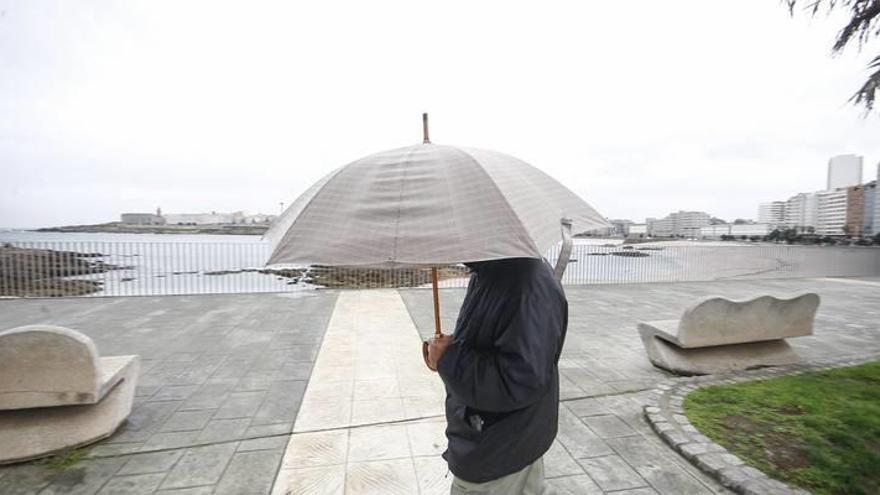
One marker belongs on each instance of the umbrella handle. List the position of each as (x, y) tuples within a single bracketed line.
[(437, 331), (564, 251)]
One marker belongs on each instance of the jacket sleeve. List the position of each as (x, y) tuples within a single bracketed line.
[(516, 372)]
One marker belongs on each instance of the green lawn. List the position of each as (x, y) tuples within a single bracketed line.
[(819, 431)]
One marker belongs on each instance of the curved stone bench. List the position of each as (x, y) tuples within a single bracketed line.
[(719, 335), (57, 393)]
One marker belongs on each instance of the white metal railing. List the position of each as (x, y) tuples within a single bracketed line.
[(122, 268)]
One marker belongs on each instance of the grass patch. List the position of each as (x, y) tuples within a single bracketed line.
[(819, 431), (64, 460)]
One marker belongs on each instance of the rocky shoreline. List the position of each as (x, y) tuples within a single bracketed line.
[(44, 272), (355, 278)]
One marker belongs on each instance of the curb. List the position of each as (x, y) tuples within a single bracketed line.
[(664, 411)]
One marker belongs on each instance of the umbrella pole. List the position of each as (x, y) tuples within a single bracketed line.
[(437, 332)]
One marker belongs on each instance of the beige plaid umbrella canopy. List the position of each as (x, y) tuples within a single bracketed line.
[(427, 205)]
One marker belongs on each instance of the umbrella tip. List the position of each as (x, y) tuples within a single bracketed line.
[(427, 139)]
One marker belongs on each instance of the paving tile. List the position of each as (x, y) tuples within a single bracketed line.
[(153, 462), (24, 479), (219, 430), (423, 407), (296, 371), (558, 462), (143, 421), (187, 421), (200, 466), (171, 440), (197, 490), (113, 449), (637, 491), (250, 472), (321, 480), (240, 405), (608, 426), (575, 485), (317, 415), (270, 443), (392, 477), (377, 411), (86, 477), (316, 449), (379, 388), (427, 438), (374, 443), (268, 430), (612, 473), (209, 396), (137, 484), (174, 393), (279, 407), (579, 440), (433, 476), (660, 466), (585, 407)]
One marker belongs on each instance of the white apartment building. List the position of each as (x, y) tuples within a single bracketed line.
[(638, 229), (204, 218), (831, 214), (844, 171), (714, 231), (772, 213), (683, 223), (801, 211)]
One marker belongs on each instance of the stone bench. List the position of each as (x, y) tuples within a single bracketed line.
[(719, 335), (56, 392)]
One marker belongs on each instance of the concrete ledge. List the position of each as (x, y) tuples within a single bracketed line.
[(664, 411), (27, 434)]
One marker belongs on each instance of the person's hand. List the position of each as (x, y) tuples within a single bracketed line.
[(436, 347)]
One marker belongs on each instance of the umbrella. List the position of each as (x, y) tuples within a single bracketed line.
[(428, 205)]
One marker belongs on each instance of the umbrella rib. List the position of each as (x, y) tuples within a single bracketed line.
[(491, 181)]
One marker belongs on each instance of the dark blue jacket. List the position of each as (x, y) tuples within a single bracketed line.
[(500, 371)]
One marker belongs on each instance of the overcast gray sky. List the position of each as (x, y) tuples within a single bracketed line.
[(641, 107)]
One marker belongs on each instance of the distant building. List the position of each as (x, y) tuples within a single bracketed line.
[(869, 223), (680, 223), (143, 218), (638, 230), (620, 227), (714, 231), (204, 218), (855, 210), (772, 213), (751, 229), (844, 171), (259, 218), (736, 230), (831, 212), (801, 211)]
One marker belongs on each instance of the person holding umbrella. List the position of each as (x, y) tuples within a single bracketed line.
[(501, 376), (429, 205)]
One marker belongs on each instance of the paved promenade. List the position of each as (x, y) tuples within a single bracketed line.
[(326, 392)]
